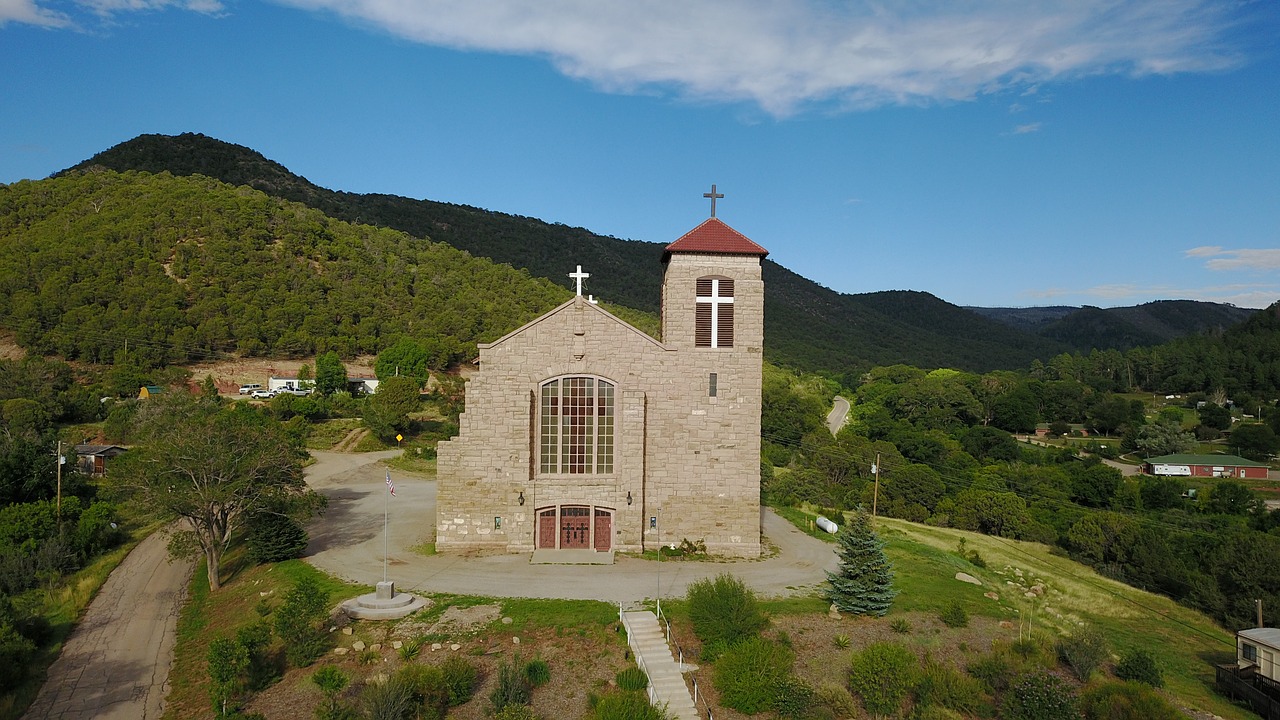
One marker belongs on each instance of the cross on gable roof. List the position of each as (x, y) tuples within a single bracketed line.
[(716, 238)]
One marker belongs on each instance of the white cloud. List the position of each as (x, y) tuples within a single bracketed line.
[(27, 12), (1028, 128), (111, 7), (1243, 259), (785, 54)]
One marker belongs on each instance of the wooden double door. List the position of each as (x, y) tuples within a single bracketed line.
[(575, 527)]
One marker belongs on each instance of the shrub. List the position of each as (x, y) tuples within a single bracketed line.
[(633, 678), (842, 641), (515, 712), (228, 661), (275, 538), (900, 626), (460, 678), (427, 688), (411, 647), (748, 674), (954, 615), (623, 705), (725, 610), (15, 652), (299, 623), (837, 699), (513, 687), (1083, 651), (1140, 666), (331, 681), (793, 698), (390, 700), (947, 687), (1039, 696), (1126, 701), (537, 672), (882, 675)]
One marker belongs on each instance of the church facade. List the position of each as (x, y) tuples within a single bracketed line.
[(582, 432)]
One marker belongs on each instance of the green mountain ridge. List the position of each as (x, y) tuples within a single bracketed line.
[(156, 269), (1121, 328), (807, 326)]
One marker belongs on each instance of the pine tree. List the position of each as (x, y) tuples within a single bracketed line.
[(864, 584)]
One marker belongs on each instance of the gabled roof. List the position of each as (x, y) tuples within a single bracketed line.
[(715, 238), (1266, 636), (1217, 460), (99, 449), (578, 301)]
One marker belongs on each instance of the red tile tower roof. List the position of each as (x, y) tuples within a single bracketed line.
[(714, 237)]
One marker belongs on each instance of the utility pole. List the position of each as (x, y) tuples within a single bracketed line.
[(875, 495), (59, 500)]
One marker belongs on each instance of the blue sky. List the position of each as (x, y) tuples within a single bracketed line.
[(1013, 153)]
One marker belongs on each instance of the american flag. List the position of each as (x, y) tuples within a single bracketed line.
[(390, 487)]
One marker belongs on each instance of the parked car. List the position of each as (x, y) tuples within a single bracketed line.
[(261, 394), (300, 392), (249, 388)]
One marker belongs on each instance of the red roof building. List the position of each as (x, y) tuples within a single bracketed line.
[(713, 237)]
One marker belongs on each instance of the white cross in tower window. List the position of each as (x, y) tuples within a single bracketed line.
[(716, 300), (579, 276)]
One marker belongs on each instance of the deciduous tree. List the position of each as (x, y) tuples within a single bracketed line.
[(214, 467)]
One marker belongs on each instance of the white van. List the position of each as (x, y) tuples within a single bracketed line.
[(248, 389)]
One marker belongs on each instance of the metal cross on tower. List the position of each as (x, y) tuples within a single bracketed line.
[(713, 195), (579, 276)]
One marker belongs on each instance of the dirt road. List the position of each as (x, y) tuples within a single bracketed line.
[(348, 542), (115, 665)]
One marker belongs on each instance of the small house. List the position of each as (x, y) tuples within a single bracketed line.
[(92, 459), (277, 384), (1259, 648), (362, 384), (1222, 466)]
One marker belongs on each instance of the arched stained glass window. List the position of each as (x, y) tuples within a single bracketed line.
[(576, 426)]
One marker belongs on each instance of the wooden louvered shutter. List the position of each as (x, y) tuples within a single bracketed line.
[(702, 315), (724, 326)]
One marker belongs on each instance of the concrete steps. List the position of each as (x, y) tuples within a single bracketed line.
[(649, 643)]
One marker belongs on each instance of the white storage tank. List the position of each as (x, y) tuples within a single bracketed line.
[(826, 524)]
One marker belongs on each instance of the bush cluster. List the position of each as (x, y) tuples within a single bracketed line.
[(749, 674), (1140, 666), (1126, 701), (723, 612), (1039, 696), (1083, 651), (882, 675)]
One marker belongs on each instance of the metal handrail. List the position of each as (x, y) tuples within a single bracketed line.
[(654, 697)]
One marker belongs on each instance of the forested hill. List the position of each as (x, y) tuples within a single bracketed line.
[(806, 325), (156, 269), (1121, 328)]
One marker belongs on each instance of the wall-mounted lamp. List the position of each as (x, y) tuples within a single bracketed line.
[(521, 498), (628, 497)]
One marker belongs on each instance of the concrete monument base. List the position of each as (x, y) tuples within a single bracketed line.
[(383, 604)]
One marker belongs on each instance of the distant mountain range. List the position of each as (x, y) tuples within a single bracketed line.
[(807, 326), (1120, 328)]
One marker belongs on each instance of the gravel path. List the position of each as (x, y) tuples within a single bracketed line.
[(348, 542), (115, 664)]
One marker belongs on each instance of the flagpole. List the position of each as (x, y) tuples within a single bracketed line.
[(386, 500)]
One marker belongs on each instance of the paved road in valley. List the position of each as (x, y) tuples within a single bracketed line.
[(115, 664), (348, 542), (839, 412)]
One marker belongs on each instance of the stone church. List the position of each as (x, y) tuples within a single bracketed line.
[(582, 432)]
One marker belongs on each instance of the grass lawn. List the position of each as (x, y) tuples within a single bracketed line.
[(925, 559)]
